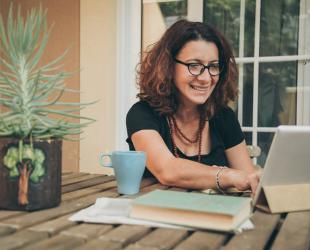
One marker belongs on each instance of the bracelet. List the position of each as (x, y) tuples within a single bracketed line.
[(217, 178)]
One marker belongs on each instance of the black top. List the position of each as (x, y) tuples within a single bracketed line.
[(224, 129)]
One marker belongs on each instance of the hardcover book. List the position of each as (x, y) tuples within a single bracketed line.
[(216, 212)]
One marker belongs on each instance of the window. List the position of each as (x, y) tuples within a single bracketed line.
[(268, 42)]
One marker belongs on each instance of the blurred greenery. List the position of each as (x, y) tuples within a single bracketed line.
[(225, 15), (279, 27), (177, 8), (173, 11)]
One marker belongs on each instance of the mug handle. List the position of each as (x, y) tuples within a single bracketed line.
[(102, 163)]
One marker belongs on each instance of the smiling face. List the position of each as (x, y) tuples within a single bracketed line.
[(195, 90)]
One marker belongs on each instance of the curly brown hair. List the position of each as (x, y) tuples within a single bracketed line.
[(156, 71)]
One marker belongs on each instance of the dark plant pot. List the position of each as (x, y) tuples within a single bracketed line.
[(24, 192)]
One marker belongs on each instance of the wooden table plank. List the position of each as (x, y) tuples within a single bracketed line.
[(294, 233), (72, 237), (86, 183), (6, 231), (20, 239), (163, 238), (87, 231), (79, 179), (264, 224), (59, 242), (202, 240), (98, 244), (72, 175), (138, 247), (126, 234), (54, 226), (103, 186), (87, 191), (5, 214)]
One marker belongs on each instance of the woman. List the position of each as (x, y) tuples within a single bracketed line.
[(182, 121)]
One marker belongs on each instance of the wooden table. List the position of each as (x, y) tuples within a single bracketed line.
[(51, 229)]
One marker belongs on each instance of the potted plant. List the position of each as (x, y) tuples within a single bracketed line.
[(33, 119)]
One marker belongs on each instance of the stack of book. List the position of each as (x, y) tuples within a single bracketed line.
[(215, 212)]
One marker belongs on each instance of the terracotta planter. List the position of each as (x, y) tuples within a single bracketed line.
[(30, 177)]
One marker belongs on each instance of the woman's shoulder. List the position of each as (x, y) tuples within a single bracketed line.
[(142, 109), (142, 116), (141, 106)]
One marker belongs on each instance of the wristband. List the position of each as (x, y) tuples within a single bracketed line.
[(217, 178)]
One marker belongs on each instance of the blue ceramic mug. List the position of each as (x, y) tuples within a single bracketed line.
[(128, 167)]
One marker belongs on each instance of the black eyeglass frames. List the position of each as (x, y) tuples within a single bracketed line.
[(197, 68)]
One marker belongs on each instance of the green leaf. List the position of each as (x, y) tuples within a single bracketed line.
[(40, 51), (59, 112), (3, 36), (13, 85), (14, 172), (5, 92), (49, 66), (28, 153), (11, 158), (8, 65)]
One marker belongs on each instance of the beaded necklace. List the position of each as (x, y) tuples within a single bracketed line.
[(174, 128)]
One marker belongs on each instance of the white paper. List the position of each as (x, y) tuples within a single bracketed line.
[(116, 211)]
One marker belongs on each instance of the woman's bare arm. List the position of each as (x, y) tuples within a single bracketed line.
[(173, 171)]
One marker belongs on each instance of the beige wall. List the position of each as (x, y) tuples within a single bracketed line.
[(66, 33), (98, 79)]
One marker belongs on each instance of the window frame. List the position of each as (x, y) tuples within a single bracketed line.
[(129, 42)]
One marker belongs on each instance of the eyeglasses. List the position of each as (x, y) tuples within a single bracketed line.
[(197, 69)]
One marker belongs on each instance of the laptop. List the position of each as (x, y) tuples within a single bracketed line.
[(285, 182)]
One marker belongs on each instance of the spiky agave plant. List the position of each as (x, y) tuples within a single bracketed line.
[(30, 93)]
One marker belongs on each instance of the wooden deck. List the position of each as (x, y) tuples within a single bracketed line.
[(51, 229)]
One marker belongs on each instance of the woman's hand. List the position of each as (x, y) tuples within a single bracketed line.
[(244, 181)]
